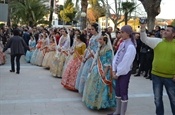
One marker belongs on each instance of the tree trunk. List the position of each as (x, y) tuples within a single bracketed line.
[(126, 18), (84, 5), (51, 12), (9, 12), (151, 22), (152, 7)]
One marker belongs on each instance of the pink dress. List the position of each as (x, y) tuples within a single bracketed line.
[(71, 71), (2, 56)]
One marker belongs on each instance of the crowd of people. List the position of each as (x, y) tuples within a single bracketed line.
[(95, 64)]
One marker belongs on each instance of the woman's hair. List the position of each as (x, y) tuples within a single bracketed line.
[(105, 37), (64, 30), (82, 38), (96, 26), (78, 31)]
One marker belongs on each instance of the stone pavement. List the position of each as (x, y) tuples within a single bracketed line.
[(35, 92)]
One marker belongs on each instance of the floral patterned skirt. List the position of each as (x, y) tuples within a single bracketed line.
[(70, 74)]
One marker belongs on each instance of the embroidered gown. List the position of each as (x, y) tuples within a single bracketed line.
[(60, 58), (49, 55), (2, 55), (32, 45), (41, 52), (73, 65), (34, 55), (85, 67), (98, 95)]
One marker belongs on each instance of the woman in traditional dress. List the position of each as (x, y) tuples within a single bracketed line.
[(32, 45), (42, 51), (71, 70), (62, 48), (99, 92), (88, 58), (50, 53), (2, 55), (38, 46)]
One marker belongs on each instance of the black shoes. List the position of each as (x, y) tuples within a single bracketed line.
[(137, 75), (12, 70)]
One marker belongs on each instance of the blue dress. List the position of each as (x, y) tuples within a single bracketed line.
[(32, 45), (98, 95), (85, 67)]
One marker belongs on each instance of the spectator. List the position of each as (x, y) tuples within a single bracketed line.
[(163, 69), (17, 45)]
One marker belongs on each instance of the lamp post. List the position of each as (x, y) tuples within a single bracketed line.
[(107, 14), (83, 20)]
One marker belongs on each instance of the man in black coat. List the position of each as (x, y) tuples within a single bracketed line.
[(17, 46)]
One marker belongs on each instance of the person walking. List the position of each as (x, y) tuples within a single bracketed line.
[(163, 66), (17, 46)]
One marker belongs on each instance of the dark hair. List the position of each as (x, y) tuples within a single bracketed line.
[(82, 38), (95, 25), (150, 34), (16, 32), (64, 30), (105, 38), (173, 28), (78, 31), (158, 27)]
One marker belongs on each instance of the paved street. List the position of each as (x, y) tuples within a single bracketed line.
[(35, 92)]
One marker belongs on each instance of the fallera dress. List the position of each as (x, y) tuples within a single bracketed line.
[(57, 65), (32, 45), (49, 55), (99, 93), (2, 55), (34, 55), (70, 74), (85, 67)]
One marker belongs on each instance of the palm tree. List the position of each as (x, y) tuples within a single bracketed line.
[(127, 8), (30, 12)]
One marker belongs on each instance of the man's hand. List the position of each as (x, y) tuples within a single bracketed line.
[(142, 26)]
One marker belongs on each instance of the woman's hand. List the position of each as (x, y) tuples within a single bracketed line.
[(59, 49), (71, 52), (84, 60)]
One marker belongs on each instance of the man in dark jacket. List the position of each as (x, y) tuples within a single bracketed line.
[(17, 46)]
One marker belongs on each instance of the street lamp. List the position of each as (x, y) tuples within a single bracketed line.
[(83, 14), (83, 20)]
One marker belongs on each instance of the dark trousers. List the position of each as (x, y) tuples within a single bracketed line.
[(158, 84), (122, 84), (18, 56)]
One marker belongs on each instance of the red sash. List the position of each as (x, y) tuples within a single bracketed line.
[(104, 80)]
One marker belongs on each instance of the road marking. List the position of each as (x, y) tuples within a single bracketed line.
[(62, 99)]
